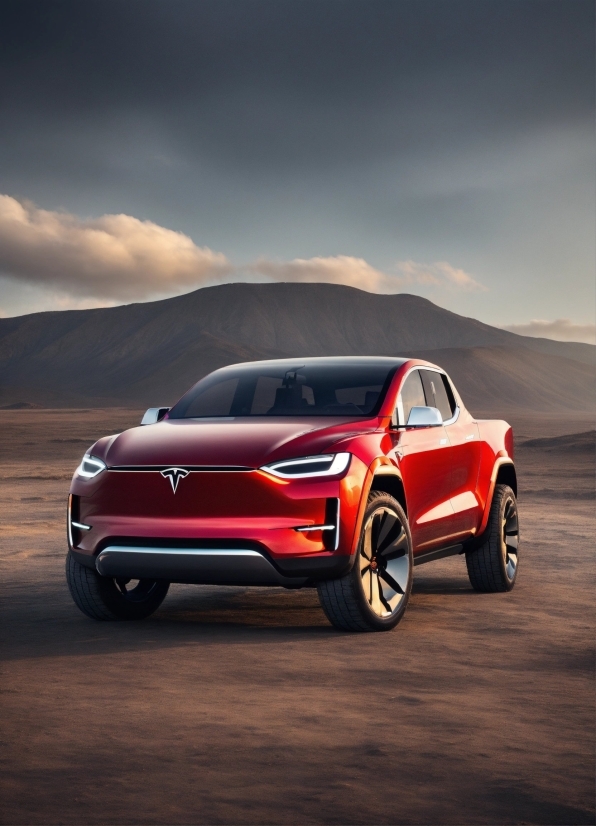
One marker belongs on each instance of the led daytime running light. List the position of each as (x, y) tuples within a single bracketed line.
[(90, 467), (336, 464)]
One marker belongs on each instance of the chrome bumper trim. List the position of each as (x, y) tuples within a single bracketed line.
[(336, 522), (307, 528), (206, 566)]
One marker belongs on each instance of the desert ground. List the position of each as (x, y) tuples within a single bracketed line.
[(244, 706)]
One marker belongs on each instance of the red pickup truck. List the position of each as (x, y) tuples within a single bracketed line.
[(335, 473)]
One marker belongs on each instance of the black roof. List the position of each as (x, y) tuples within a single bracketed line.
[(331, 361)]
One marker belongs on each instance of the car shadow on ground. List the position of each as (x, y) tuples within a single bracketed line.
[(452, 587), (189, 615)]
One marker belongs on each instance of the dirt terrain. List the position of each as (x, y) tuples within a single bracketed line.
[(236, 705)]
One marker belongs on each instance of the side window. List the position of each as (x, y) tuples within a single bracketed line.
[(435, 390), (411, 395)]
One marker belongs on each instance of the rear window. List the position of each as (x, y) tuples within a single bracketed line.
[(276, 390)]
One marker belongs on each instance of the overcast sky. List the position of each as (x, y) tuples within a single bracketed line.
[(440, 148)]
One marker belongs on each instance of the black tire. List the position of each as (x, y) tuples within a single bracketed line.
[(103, 598), (494, 565), (374, 595)]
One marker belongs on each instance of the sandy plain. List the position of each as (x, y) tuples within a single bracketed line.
[(236, 705)]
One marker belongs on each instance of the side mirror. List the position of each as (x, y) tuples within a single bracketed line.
[(424, 417), (154, 414)]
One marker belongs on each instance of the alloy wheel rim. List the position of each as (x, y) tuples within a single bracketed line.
[(510, 538), (384, 562)]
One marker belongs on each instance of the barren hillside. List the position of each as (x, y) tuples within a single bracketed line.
[(150, 353)]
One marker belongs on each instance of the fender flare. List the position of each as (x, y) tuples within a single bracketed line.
[(500, 462), (381, 466)]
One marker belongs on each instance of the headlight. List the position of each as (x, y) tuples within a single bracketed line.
[(90, 467), (329, 464)]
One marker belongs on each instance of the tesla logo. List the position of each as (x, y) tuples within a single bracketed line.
[(174, 474)]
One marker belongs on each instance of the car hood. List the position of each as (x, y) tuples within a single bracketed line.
[(233, 442)]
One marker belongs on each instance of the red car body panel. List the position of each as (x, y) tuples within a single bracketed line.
[(447, 474)]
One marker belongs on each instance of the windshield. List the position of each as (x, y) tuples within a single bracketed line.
[(270, 389)]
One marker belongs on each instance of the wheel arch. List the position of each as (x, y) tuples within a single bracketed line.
[(506, 475), (503, 474), (391, 483), (381, 476)]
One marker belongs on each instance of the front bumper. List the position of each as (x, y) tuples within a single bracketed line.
[(212, 566), (219, 527)]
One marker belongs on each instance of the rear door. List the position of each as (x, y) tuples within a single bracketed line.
[(425, 463)]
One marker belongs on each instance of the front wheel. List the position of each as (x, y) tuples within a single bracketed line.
[(373, 596), (103, 598), (493, 566)]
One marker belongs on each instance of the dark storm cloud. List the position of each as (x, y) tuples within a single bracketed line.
[(425, 142), (262, 84)]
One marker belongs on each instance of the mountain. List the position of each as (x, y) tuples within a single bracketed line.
[(150, 353)]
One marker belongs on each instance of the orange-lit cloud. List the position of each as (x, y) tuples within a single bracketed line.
[(561, 329), (356, 272), (337, 269), (91, 262), (114, 257), (440, 274)]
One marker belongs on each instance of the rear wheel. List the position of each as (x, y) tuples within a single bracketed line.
[(373, 596), (493, 566), (103, 598)]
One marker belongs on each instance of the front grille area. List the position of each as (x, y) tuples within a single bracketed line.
[(206, 495), (129, 506)]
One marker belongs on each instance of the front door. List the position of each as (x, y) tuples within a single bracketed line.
[(463, 435), (424, 456)]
